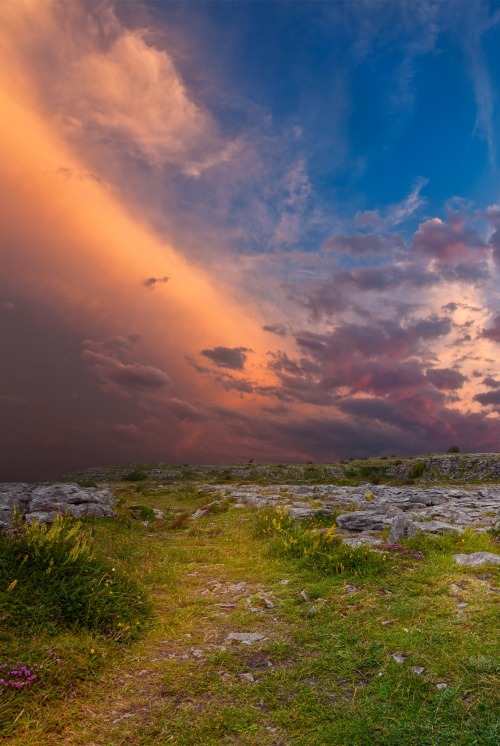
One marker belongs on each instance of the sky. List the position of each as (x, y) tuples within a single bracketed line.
[(247, 230)]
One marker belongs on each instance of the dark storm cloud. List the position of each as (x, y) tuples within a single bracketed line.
[(491, 382), (446, 379), (152, 281), (227, 357), (386, 276), (382, 338), (114, 362), (489, 397)]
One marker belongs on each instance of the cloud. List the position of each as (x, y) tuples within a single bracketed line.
[(275, 329), (368, 219), (227, 357), (359, 244), (7, 305), (493, 332), (446, 379), (152, 281), (112, 362), (489, 397), (448, 241), (404, 210), (491, 382)]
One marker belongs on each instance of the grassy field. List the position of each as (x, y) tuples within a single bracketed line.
[(397, 651)]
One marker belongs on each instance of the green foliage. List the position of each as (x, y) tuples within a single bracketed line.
[(136, 475), (50, 577), (416, 470), (142, 513), (318, 549)]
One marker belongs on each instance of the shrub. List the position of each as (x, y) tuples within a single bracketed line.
[(49, 576), (416, 470), (142, 513), (136, 475), (453, 449)]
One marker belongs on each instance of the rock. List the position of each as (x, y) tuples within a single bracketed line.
[(399, 657), (246, 638), (427, 499), (401, 528), (363, 520), (477, 559), (295, 513), (417, 670), (199, 514), (247, 677), (442, 686), (435, 527), (365, 540), (158, 513), (42, 503)]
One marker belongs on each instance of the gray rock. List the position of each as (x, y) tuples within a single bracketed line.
[(199, 514), (363, 520), (435, 527), (362, 541), (401, 528), (246, 638), (43, 503), (477, 559), (399, 657)]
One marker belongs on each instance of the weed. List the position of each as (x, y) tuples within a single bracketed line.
[(318, 549), (52, 578)]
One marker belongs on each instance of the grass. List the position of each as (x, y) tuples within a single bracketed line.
[(323, 671)]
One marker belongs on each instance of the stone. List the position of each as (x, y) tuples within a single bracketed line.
[(399, 657), (401, 528), (44, 502), (246, 638), (435, 527), (417, 670), (362, 541), (363, 520), (477, 559), (247, 677), (199, 514), (442, 685)]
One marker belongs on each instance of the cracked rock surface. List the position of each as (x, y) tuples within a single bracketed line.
[(370, 508), (42, 502)]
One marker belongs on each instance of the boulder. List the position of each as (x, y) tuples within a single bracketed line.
[(477, 559), (363, 520)]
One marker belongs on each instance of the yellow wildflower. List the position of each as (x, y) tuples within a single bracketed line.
[(12, 585)]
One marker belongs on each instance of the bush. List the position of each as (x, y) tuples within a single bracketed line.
[(49, 576), (416, 470), (453, 449), (136, 475)]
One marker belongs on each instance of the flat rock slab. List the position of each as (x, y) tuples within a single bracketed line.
[(246, 638), (477, 559)]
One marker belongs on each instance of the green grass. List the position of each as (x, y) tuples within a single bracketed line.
[(329, 638)]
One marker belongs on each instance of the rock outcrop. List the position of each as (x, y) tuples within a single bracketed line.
[(43, 502), (371, 508)]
